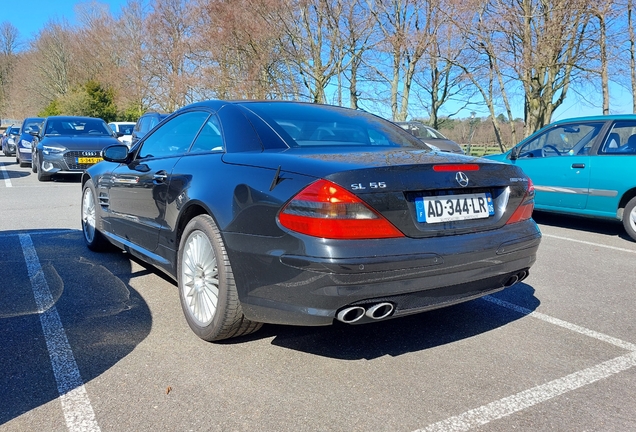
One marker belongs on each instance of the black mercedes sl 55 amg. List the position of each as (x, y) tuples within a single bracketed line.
[(303, 214)]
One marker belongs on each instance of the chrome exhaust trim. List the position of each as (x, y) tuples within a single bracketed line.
[(511, 281), (351, 314), (380, 310)]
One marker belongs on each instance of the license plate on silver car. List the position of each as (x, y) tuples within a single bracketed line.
[(448, 208)]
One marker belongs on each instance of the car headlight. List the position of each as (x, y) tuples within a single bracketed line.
[(25, 143), (52, 149), (11, 141)]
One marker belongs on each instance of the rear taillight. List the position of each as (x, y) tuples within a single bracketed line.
[(455, 167), (524, 211), (324, 209)]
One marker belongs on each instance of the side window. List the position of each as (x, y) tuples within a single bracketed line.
[(621, 139), (562, 140), (209, 138), (142, 125), (174, 137)]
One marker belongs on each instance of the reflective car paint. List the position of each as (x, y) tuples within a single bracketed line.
[(24, 145), (285, 277), (9, 140), (61, 149)]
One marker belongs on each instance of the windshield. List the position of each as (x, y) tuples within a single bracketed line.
[(73, 127), (312, 125)]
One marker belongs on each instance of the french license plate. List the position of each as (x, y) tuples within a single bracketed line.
[(448, 208), (89, 160)]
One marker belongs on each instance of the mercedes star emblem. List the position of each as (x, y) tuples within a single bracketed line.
[(462, 179)]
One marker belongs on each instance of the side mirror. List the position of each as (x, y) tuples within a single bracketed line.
[(116, 153), (514, 153)]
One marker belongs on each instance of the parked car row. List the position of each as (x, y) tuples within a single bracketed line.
[(60, 145)]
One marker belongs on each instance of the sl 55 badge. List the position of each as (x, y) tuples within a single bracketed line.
[(370, 185)]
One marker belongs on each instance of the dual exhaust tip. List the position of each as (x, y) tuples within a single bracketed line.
[(377, 311), (516, 278)]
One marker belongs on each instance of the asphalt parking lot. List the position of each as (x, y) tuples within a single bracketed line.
[(98, 342)]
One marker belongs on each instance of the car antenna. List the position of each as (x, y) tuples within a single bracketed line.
[(276, 179)]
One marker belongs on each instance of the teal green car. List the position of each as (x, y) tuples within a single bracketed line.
[(582, 166)]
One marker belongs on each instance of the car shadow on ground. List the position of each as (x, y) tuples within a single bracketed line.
[(103, 317), (13, 170), (403, 335), (591, 225)]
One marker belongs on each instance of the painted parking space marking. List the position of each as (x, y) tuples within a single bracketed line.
[(78, 411), (590, 243), (5, 174), (542, 393), (569, 326), (528, 398)]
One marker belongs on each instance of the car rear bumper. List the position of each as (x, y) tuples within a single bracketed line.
[(280, 285)]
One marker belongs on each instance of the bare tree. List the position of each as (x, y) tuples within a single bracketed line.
[(632, 50), (440, 79), (405, 30), (9, 36), (545, 44), (171, 63), (134, 93), (239, 50), (357, 30), (53, 67)]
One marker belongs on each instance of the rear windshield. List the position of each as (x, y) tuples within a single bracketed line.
[(312, 125)]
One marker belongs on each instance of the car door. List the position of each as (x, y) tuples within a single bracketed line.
[(139, 190), (558, 162), (612, 169)]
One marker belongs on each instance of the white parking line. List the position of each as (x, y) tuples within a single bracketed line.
[(78, 411), (590, 243), (5, 174), (528, 398), (539, 394)]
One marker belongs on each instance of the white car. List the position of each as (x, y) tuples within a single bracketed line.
[(123, 131)]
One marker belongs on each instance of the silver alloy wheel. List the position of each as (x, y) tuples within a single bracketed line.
[(632, 219), (199, 278), (88, 215)]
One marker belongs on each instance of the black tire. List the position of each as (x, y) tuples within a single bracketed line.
[(93, 238), (629, 218), (205, 275), (42, 176), (34, 164)]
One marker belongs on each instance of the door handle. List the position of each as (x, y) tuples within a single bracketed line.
[(160, 176), (578, 165)]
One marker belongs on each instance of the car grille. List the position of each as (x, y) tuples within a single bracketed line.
[(71, 160)]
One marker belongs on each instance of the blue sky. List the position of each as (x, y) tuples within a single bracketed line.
[(30, 16)]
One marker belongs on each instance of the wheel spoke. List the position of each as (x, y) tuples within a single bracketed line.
[(199, 277)]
